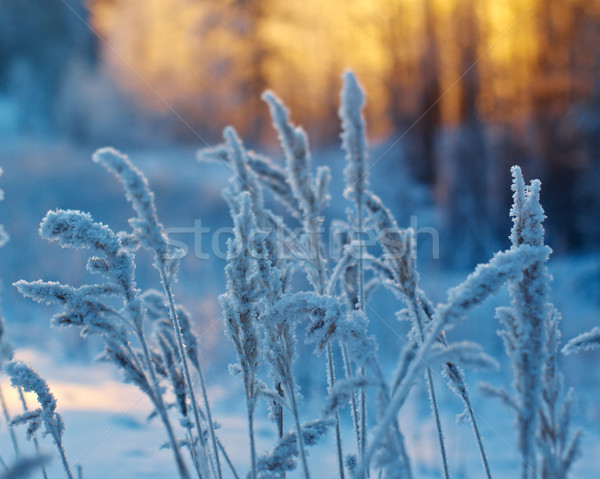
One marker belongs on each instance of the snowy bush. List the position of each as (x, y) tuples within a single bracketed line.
[(284, 288)]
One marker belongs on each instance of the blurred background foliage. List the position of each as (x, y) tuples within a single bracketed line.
[(458, 90)]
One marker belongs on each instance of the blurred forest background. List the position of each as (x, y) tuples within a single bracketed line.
[(458, 90)]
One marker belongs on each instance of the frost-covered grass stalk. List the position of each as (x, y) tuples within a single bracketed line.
[(91, 307), (6, 351), (24, 464), (398, 267), (265, 269), (528, 316), (36, 442), (168, 347), (278, 324), (6, 355), (311, 195), (150, 234), (397, 271), (484, 281), (531, 339), (22, 376), (357, 181), (558, 447), (240, 313)]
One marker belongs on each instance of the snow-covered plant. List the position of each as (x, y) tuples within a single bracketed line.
[(96, 310), (311, 194), (240, 310), (356, 176), (527, 317), (23, 463), (46, 417), (278, 310), (149, 233), (312, 197), (479, 285), (168, 367), (531, 338), (6, 355), (279, 323), (253, 266), (397, 267), (282, 458), (558, 448), (310, 191), (398, 271)]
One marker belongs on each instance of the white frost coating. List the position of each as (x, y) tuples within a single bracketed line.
[(354, 137), (23, 376), (298, 161), (283, 458), (84, 306), (146, 226), (239, 303), (91, 306), (245, 179), (149, 232), (270, 174), (531, 338), (310, 193), (488, 278), (399, 245), (74, 229), (530, 310), (558, 447), (583, 342)]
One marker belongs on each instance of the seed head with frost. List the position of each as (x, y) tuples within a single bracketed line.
[(146, 226), (95, 307), (528, 317), (354, 137), (46, 416)]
